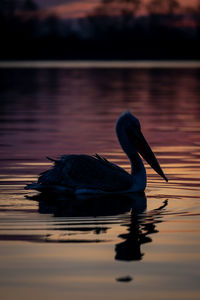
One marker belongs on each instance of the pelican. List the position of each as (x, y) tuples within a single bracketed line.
[(94, 175)]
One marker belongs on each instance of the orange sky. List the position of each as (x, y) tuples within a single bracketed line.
[(71, 10), (79, 8)]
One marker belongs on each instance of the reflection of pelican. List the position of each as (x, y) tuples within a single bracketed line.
[(139, 224), (71, 208), (83, 174), (94, 206), (139, 228)]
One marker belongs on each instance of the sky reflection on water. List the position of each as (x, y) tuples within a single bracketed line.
[(99, 250)]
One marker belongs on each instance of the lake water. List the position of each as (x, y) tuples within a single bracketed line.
[(70, 250)]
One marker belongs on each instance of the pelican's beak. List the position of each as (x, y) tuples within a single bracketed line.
[(144, 149)]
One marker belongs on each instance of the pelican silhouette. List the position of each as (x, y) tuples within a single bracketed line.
[(92, 175)]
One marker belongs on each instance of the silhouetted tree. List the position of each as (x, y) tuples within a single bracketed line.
[(114, 19), (8, 7), (29, 5), (113, 30), (198, 23), (52, 24)]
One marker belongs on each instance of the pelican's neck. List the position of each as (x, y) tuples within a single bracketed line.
[(137, 166)]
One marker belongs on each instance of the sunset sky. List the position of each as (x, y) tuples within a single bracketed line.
[(47, 3), (78, 8)]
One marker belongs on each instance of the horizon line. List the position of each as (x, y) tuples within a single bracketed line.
[(37, 64)]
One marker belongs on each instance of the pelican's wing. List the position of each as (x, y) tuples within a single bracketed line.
[(88, 172)]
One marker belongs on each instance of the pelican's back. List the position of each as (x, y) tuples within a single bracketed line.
[(86, 172)]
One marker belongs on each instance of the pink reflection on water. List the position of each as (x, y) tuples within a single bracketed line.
[(51, 112)]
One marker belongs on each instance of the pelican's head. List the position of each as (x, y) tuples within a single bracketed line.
[(128, 128)]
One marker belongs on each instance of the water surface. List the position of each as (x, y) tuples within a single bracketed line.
[(146, 247)]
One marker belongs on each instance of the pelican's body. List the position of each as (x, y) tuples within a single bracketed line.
[(84, 174)]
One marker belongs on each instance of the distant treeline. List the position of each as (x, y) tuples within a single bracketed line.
[(114, 30)]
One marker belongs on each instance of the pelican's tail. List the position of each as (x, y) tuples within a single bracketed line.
[(33, 186), (52, 159), (48, 188)]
